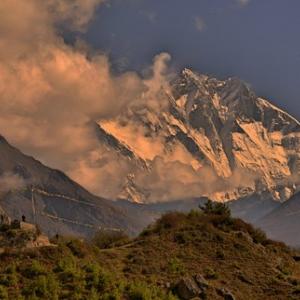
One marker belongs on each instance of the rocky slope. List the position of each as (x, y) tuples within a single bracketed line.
[(210, 138), (57, 204)]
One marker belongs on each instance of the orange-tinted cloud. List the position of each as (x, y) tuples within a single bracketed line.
[(51, 91)]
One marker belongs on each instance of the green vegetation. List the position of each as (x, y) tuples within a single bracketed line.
[(105, 239), (223, 255)]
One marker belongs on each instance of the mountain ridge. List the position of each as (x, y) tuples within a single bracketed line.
[(245, 143), (54, 201)]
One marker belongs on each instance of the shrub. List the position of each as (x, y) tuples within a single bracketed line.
[(92, 275), (284, 268), (175, 266), (258, 236), (105, 239), (77, 247), (216, 208), (35, 269), (11, 233), (170, 220), (4, 227), (93, 295), (3, 293), (97, 278), (141, 291), (210, 273), (65, 264), (104, 280), (45, 287)]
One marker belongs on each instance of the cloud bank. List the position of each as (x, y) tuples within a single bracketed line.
[(51, 92)]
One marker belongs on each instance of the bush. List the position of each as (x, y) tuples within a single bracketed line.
[(35, 269), (170, 220), (45, 287), (77, 247), (175, 266), (3, 293), (65, 264), (105, 239), (216, 208), (258, 236), (210, 273), (4, 227), (141, 291), (97, 278)]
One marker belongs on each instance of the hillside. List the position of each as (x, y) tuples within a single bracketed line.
[(206, 254), (52, 200)]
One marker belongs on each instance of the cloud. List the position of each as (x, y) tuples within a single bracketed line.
[(243, 2), (10, 182), (51, 92), (199, 23)]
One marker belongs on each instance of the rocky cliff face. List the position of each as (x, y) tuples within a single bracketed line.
[(211, 138)]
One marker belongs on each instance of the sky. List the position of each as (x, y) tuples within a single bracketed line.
[(255, 40)]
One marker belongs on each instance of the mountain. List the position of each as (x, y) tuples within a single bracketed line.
[(209, 138), (253, 208), (283, 223), (57, 204)]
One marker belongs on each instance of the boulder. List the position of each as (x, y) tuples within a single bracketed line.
[(187, 288), (201, 281), (226, 294)]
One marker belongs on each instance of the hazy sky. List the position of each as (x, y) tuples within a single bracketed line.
[(256, 40)]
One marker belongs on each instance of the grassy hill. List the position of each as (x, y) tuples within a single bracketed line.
[(205, 254)]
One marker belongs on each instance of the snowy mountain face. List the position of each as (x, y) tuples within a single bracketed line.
[(208, 138)]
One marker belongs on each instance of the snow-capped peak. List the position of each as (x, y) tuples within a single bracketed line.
[(216, 127)]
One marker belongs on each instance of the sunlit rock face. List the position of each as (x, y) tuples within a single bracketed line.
[(210, 138)]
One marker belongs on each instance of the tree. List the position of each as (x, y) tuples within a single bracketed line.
[(216, 208)]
